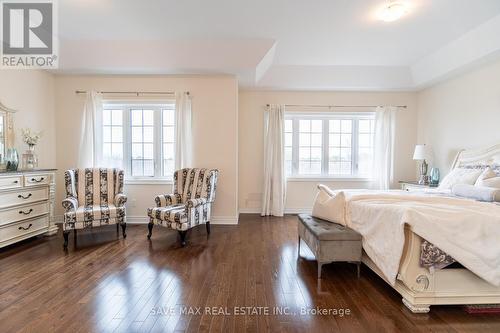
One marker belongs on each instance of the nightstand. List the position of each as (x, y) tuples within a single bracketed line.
[(414, 185)]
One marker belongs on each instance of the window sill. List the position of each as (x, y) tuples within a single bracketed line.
[(153, 181), (329, 179)]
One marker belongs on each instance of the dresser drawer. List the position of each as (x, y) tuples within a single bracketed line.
[(23, 212), (11, 182), (23, 196), (23, 229), (36, 179)]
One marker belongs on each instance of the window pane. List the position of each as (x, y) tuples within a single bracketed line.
[(148, 117), (168, 134), (136, 134), (334, 126), (346, 126), (317, 126), (137, 168), (136, 117), (364, 126), (345, 168), (117, 151), (106, 134), (148, 134), (106, 117), (106, 150), (304, 139), (168, 167), (345, 140), (288, 139), (148, 151), (334, 168), (149, 170), (168, 151), (116, 134), (137, 151), (316, 140), (334, 154), (345, 154), (304, 153), (304, 125), (168, 117), (316, 154), (288, 125), (117, 118)]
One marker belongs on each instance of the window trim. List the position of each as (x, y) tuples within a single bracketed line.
[(126, 106), (325, 117)]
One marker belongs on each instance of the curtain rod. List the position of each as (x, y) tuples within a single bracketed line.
[(338, 106), (132, 92)]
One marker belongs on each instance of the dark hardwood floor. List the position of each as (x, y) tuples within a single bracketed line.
[(107, 284)]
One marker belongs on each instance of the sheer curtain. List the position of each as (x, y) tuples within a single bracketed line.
[(274, 187), (87, 154), (183, 131), (385, 119)]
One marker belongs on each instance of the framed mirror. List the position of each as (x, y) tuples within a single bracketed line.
[(6, 131)]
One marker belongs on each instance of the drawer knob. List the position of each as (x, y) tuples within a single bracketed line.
[(26, 213), (37, 180), (20, 196), (16, 181), (29, 226)]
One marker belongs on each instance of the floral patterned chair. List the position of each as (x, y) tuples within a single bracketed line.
[(189, 205), (94, 197)]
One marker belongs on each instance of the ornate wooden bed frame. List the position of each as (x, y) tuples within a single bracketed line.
[(422, 288)]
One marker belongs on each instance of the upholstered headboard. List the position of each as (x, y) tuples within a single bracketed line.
[(475, 157)]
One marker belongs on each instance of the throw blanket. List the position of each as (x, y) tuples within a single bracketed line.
[(467, 230)]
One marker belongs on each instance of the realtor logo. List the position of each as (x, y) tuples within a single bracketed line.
[(28, 34)]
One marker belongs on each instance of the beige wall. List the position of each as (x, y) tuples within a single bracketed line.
[(300, 194), (31, 93), (460, 113), (215, 128)]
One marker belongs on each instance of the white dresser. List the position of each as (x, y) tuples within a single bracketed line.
[(26, 204)]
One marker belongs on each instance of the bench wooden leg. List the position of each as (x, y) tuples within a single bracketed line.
[(298, 249), (183, 237), (207, 225), (65, 235), (320, 266), (359, 268)]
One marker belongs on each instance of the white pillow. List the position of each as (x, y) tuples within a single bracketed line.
[(329, 205), (488, 194), (488, 179), (460, 176)]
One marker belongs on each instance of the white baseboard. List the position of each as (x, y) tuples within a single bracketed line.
[(302, 210)]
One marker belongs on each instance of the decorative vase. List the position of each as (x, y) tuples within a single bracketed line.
[(12, 159), (435, 176), (30, 160)]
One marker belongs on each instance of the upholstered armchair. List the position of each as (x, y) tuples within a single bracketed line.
[(94, 197), (189, 205)]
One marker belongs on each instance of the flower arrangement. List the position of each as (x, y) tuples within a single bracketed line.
[(30, 137)]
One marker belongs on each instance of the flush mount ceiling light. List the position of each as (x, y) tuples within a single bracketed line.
[(392, 11)]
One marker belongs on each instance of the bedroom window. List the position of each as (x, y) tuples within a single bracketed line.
[(329, 145), (139, 138)]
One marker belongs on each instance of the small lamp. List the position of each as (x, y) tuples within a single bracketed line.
[(421, 153)]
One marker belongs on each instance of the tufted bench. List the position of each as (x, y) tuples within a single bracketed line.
[(329, 241)]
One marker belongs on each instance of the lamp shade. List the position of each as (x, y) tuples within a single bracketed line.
[(422, 152)]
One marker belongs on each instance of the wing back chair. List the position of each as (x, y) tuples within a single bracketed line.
[(94, 197), (189, 205)]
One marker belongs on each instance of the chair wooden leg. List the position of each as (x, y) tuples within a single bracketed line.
[(150, 229), (117, 229), (207, 225), (183, 237), (65, 235), (124, 226)]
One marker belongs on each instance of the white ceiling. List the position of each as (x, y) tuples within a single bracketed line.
[(284, 44)]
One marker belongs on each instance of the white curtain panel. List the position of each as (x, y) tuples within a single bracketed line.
[(87, 156), (274, 189), (183, 131), (385, 120)]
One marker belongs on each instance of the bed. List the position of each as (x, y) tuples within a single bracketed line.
[(421, 287)]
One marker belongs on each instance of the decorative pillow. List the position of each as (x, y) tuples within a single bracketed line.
[(488, 194), (329, 205), (488, 178), (460, 176)]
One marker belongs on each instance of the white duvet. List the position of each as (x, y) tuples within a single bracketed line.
[(467, 230)]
